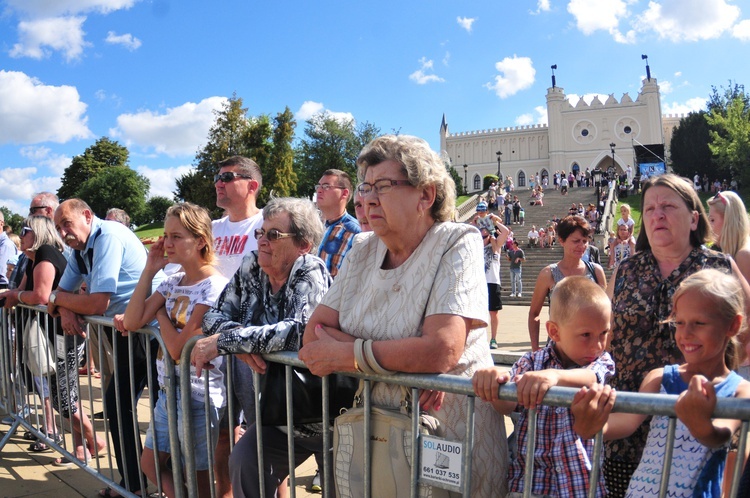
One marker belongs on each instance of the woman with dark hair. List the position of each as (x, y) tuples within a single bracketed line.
[(670, 247), (573, 235)]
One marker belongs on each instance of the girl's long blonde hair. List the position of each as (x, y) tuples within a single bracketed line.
[(736, 229), (724, 295)]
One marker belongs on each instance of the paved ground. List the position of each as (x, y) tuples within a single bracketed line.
[(25, 474)]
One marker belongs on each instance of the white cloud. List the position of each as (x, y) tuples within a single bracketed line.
[(31, 112), (516, 74), (308, 109), (691, 105), (665, 87), (51, 8), (19, 184), (163, 179), (602, 15), (48, 26), (466, 22), (38, 37), (179, 131), (420, 76), (447, 58), (541, 6), (539, 116), (43, 156), (127, 40), (678, 74), (741, 30), (688, 20)]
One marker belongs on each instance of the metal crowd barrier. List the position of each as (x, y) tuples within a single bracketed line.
[(15, 394)]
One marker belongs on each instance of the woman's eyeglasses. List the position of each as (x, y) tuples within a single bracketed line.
[(229, 176), (24, 231), (380, 186), (272, 234)]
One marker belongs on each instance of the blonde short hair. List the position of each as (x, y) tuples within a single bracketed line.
[(571, 294)]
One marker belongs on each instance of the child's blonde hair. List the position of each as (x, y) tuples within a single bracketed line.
[(725, 296), (573, 293), (625, 207), (197, 221)]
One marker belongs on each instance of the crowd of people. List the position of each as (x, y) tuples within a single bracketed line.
[(397, 287)]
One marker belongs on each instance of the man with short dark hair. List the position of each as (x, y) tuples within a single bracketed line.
[(333, 192)]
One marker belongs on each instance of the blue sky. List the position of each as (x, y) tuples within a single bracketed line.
[(149, 73)]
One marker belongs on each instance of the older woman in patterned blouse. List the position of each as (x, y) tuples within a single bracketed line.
[(670, 245), (264, 308), (416, 289)]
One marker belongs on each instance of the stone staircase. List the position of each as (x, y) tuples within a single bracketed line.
[(537, 258)]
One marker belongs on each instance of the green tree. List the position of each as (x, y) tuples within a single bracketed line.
[(282, 179), (689, 152), (105, 153), (119, 187), (730, 138), (12, 220), (719, 100), (329, 143), (227, 137), (157, 207)]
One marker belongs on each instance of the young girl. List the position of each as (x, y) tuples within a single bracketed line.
[(625, 218), (622, 247), (707, 311), (179, 304)]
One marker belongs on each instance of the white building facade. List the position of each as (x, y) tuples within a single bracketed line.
[(577, 138)]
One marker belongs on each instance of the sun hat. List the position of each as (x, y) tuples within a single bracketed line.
[(482, 206)]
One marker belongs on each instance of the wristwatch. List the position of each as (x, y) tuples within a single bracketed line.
[(52, 297)]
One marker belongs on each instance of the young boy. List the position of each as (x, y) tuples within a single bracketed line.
[(578, 327)]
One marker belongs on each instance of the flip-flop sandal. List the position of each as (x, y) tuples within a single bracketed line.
[(39, 447), (64, 462), (28, 436)]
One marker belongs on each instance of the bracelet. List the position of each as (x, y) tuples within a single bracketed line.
[(19, 297), (359, 356), (373, 363)]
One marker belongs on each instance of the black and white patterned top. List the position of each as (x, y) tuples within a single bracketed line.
[(251, 319)]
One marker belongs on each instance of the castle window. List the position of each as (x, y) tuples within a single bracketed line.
[(477, 182), (584, 132), (627, 130), (521, 179)]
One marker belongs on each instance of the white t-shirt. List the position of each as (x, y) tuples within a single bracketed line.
[(180, 302), (630, 223), (533, 234), (234, 239)]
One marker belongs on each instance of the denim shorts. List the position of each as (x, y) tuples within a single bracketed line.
[(158, 429)]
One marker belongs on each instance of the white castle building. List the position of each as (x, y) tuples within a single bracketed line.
[(577, 137)]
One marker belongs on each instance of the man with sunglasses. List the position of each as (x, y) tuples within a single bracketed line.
[(332, 194), (237, 185)]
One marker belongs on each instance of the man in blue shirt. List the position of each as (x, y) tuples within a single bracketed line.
[(109, 259), (332, 194), (7, 250)]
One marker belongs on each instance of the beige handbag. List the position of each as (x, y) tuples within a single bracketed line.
[(39, 355), (391, 447)]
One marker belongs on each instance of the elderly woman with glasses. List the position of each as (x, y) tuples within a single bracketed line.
[(264, 308), (670, 247), (414, 293)]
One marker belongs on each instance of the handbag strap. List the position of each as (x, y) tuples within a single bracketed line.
[(404, 405)]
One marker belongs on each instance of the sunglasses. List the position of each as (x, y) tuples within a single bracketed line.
[(721, 198), (272, 235), (34, 209), (24, 231), (229, 176)]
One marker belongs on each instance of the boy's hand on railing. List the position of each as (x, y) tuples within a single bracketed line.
[(487, 381), (591, 408), (533, 385), (430, 399)]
